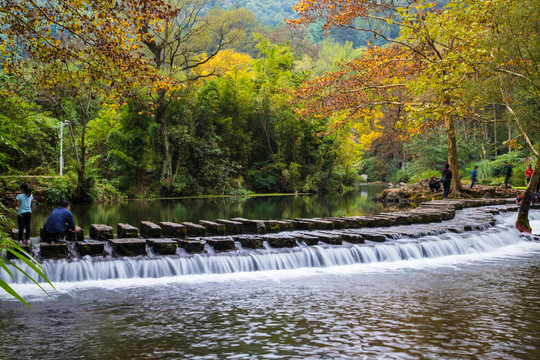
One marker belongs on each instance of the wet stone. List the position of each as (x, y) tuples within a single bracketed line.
[(126, 231), (101, 232), (250, 242), (191, 246), (25, 246), (173, 229), (163, 246), (319, 224), (53, 251), (286, 225), (277, 241), (213, 227), (252, 226), (272, 225), (352, 237), (338, 223), (91, 247), (373, 236), (329, 238), (303, 225), (128, 247), (194, 229), (221, 244), (307, 239), (232, 227), (149, 229)]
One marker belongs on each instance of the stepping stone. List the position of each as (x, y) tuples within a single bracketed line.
[(272, 225), (194, 229), (213, 227), (319, 224), (25, 246), (280, 241), (303, 225), (91, 247), (351, 237), (191, 246), (232, 227), (221, 244), (163, 246), (330, 238), (126, 231), (173, 229), (53, 251), (338, 223), (249, 241), (128, 247), (252, 226), (307, 239), (149, 229), (101, 232)]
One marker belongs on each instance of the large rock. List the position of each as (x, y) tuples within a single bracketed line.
[(191, 246), (194, 229), (149, 229), (280, 241), (128, 247), (101, 232), (250, 241), (126, 231), (213, 227), (53, 251), (163, 246), (220, 244), (173, 229), (91, 247), (395, 194)]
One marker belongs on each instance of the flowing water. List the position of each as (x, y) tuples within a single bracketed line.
[(473, 295)]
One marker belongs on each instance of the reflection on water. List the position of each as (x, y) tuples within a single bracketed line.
[(355, 202)]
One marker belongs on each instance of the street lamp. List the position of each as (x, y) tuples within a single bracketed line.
[(62, 124)]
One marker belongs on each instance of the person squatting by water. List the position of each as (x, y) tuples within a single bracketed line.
[(507, 173), (528, 173), (23, 204), (60, 224), (446, 179), (434, 184), (474, 176)]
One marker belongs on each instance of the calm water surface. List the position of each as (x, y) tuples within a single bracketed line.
[(355, 202)]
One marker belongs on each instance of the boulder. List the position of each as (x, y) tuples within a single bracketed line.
[(101, 232), (173, 229), (149, 229), (126, 231)]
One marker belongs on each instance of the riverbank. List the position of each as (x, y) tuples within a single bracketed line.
[(420, 191)]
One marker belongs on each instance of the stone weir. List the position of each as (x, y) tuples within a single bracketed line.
[(168, 238)]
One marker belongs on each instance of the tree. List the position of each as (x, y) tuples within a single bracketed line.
[(78, 54), (187, 41)]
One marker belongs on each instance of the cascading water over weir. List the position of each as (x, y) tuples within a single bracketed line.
[(469, 230)]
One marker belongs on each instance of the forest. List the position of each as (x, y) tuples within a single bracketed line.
[(197, 97)]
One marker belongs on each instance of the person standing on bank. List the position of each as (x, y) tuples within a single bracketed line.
[(507, 173), (474, 176), (23, 203), (60, 224), (528, 173), (446, 179)]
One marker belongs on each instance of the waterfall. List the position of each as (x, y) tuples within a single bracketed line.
[(246, 260)]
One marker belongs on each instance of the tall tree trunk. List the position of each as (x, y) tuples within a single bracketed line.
[(522, 222), (166, 162), (452, 153)]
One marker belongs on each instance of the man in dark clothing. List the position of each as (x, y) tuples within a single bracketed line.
[(60, 224), (446, 180), (434, 183), (507, 173)]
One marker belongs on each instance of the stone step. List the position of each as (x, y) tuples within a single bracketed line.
[(249, 241), (149, 229), (126, 231), (220, 244), (213, 228), (191, 246), (90, 247), (319, 223), (128, 247), (252, 226), (232, 227), (194, 229), (53, 251), (101, 232), (163, 246), (173, 230)]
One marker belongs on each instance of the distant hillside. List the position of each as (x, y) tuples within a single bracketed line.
[(268, 12)]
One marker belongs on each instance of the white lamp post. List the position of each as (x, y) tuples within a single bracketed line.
[(62, 124)]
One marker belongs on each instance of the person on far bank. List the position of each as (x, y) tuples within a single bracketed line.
[(23, 204), (507, 173), (474, 176), (434, 184), (60, 224), (528, 173), (446, 179)]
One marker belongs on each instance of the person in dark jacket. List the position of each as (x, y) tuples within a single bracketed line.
[(507, 173), (434, 184), (446, 179), (60, 224), (474, 176)]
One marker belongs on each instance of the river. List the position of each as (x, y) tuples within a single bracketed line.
[(475, 300)]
